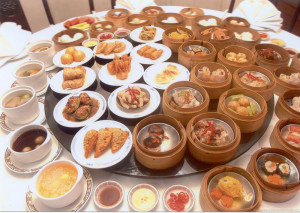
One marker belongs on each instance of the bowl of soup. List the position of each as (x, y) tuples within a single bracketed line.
[(31, 73), (30, 143), (43, 51), (58, 184), (20, 104)]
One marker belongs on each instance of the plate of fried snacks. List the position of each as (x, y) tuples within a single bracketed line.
[(107, 49), (79, 109), (147, 34), (72, 79), (134, 101), (161, 75), (101, 144), (121, 71), (72, 56), (151, 53)]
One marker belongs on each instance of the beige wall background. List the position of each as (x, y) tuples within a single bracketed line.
[(64, 9)]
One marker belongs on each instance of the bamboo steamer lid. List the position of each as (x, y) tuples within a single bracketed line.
[(159, 162), (231, 65), (207, 203), (247, 124), (227, 22), (152, 17), (214, 89), (197, 26), (189, 61), (190, 19), (277, 140), (174, 44), (282, 109), (248, 44), (70, 32), (282, 86), (270, 192), (266, 92), (218, 44), (269, 64), (118, 21), (164, 16), (184, 114), (296, 62), (131, 26), (212, 154), (94, 33)]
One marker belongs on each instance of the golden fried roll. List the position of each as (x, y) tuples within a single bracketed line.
[(120, 47), (104, 138), (70, 73), (148, 53), (89, 142), (143, 49), (101, 47), (110, 47), (156, 54), (73, 84), (118, 138)]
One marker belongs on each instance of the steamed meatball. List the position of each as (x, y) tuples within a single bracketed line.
[(233, 105), (244, 101), (242, 110)]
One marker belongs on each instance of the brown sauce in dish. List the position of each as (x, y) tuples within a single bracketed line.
[(109, 196), (29, 140), (95, 108)]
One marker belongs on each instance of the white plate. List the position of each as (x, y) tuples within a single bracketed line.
[(134, 35), (58, 109), (150, 107), (88, 55), (34, 204), (9, 126), (107, 158), (136, 72), (25, 168), (151, 71), (112, 55), (57, 80), (165, 56)]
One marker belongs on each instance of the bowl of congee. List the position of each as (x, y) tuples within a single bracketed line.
[(20, 104), (58, 184)]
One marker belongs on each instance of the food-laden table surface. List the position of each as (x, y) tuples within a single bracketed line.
[(14, 186)]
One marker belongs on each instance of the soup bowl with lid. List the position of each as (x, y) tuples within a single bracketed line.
[(24, 113), (42, 50), (64, 196)]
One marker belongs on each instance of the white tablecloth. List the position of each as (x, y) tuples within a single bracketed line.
[(13, 186)]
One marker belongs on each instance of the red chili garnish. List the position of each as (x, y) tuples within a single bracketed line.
[(212, 131), (177, 201), (254, 78), (132, 93), (155, 140), (166, 137)]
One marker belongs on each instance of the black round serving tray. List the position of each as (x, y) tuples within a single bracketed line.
[(130, 166)]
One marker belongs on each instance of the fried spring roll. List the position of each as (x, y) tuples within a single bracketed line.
[(148, 53), (101, 47), (156, 54), (110, 47), (143, 49), (70, 73), (73, 84)]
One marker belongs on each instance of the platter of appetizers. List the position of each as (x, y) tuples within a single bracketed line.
[(147, 34)]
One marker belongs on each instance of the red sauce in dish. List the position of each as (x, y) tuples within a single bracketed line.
[(178, 201), (106, 36), (263, 35), (109, 196)]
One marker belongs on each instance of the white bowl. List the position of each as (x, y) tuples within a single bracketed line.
[(22, 114), (38, 81), (65, 199), (102, 185), (44, 56), (33, 155)]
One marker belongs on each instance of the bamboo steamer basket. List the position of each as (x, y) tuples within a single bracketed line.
[(70, 32), (269, 64), (227, 21), (131, 26), (282, 86), (218, 44), (277, 141), (214, 89), (270, 192), (296, 62), (94, 33), (233, 66), (206, 201), (190, 19), (118, 21), (282, 110), (174, 44), (266, 92), (247, 124), (152, 17), (212, 154), (189, 61), (248, 44), (164, 16), (196, 26), (184, 114), (160, 162)]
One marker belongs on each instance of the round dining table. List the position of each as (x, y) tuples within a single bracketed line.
[(13, 186)]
